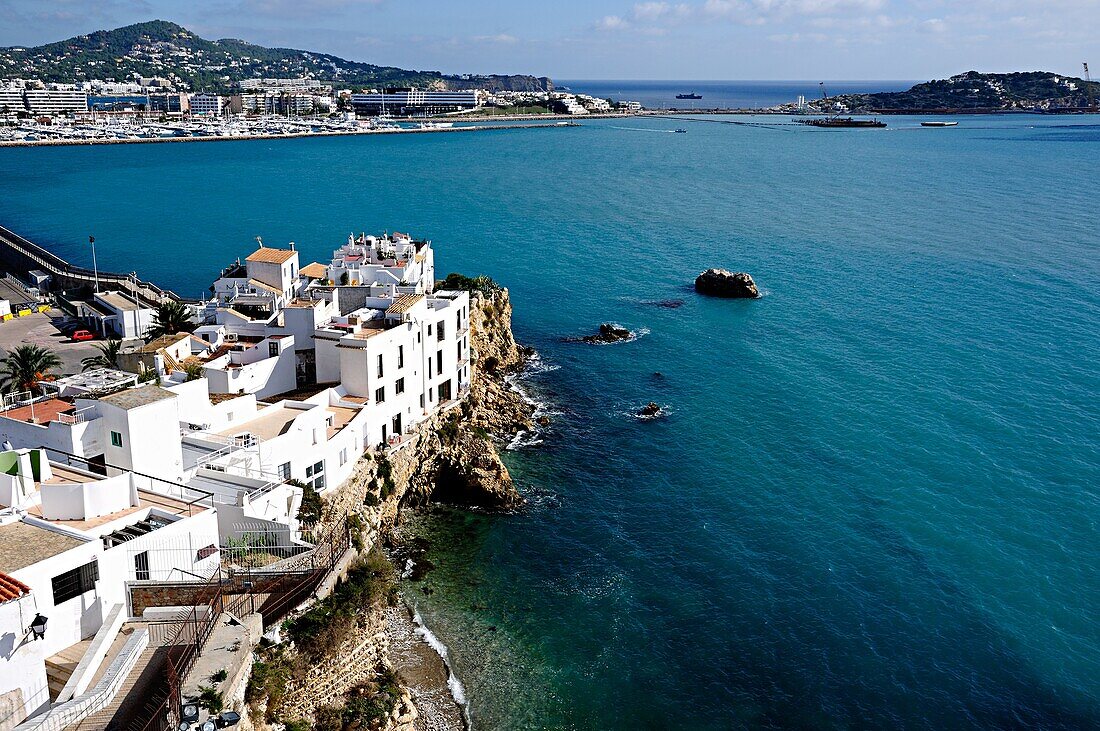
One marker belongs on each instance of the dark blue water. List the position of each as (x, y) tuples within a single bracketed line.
[(724, 94), (873, 503)]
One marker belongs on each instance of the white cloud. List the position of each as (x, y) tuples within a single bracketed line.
[(611, 22), (502, 38)]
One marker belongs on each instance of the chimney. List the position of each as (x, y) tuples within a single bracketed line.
[(292, 246)]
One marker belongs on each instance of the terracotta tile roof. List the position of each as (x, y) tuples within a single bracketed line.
[(403, 303), (314, 271), (12, 588), (268, 255)]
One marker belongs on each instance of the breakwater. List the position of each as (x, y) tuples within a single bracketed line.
[(20, 256)]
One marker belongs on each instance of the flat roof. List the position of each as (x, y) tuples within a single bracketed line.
[(268, 424), (41, 412), (342, 415), (96, 379), (146, 499), (132, 398), (22, 544), (119, 302), (268, 255)]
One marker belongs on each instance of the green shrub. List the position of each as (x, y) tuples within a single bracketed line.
[(211, 699), (312, 507), (219, 676), (480, 283), (327, 623)]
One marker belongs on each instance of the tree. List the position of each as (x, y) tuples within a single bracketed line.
[(171, 317), (26, 367), (107, 358)]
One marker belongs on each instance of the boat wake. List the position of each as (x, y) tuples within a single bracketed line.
[(458, 691)]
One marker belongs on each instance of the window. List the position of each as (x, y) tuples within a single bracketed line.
[(429, 330), (319, 483), (380, 394), (343, 456), (399, 386), (429, 368), (379, 365), (439, 361), (73, 583), (439, 335), (284, 471), (273, 349), (141, 566), (318, 468), (445, 391), (116, 439), (400, 356), (458, 321), (460, 350), (421, 400)]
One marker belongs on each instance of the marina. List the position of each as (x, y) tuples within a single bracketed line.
[(208, 131)]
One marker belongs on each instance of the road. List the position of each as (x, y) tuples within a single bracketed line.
[(41, 329)]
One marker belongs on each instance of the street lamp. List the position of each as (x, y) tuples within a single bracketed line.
[(38, 627)]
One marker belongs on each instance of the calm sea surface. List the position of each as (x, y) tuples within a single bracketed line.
[(724, 94), (873, 503)]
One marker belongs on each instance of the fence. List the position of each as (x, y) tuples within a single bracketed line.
[(273, 592)]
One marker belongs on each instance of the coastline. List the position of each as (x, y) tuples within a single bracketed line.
[(239, 138), (451, 459)]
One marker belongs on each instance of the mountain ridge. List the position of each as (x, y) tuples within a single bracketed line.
[(160, 48)]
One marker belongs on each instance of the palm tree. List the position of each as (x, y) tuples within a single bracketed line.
[(26, 367), (107, 358), (170, 318)]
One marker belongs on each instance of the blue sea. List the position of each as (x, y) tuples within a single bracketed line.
[(724, 94), (873, 502)]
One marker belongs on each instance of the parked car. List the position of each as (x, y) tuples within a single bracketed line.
[(81, 335)]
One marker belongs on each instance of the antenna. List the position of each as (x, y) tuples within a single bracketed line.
[(260, 242)]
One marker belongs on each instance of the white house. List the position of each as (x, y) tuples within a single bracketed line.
[(402, 356), (70, 542)]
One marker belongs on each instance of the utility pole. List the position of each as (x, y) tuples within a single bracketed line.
[(95, 267)]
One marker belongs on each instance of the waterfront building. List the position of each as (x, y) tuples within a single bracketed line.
[(403, 356), (72, 544), (52, 102), (210, 105), (11, 100), (411, 102), (169, 103)]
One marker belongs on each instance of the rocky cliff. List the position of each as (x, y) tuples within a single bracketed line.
[(451, 458)]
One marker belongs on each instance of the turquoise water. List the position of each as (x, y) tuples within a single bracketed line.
[(873, 503)]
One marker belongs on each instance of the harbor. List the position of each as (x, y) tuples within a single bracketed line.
[(92, 134)]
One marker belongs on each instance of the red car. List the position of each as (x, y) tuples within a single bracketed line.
[(81, 335)]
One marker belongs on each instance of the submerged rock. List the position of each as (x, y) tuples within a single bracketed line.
[(724, 283), (651, 409), (609, 333), (666, 304)]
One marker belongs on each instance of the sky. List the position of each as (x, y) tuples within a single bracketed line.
[(620, 39)]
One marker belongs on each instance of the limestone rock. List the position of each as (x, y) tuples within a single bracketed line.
[(609, 332), (650, 410), (724, 283)]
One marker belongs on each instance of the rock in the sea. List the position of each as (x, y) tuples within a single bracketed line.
[(724, 283), (543, 421), (609, 333), (650, 409)]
